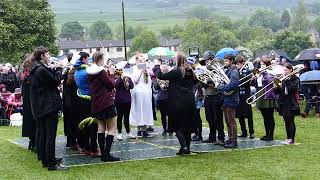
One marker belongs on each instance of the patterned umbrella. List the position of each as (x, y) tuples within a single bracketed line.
[(161, 51), (308, 55)]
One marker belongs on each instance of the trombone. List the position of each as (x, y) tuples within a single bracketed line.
[(276, 83), (247, 78)]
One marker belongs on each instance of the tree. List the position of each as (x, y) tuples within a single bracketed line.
[(265, 18), (144, 42), (72, 30), (198, 11), (100, 31), (316, 24), (207, 35), (292, 41), (300, 21), (166, 32), (130, 32), (285, 19), (25, 25)]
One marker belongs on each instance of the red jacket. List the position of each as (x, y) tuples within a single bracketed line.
[(101, 87)]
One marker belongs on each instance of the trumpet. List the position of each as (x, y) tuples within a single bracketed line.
[(247, 78), (276, 83), (164, 84), (126, 83)]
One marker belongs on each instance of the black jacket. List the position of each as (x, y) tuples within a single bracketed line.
[(45, 96), (288, 96), (181, 98)]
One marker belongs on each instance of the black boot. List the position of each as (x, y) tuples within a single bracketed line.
[(108, 157), (243, 134), (101, 141)]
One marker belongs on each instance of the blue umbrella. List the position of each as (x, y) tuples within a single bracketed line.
[(224, 51), (310, 77)]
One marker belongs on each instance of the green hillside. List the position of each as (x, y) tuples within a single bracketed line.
[(156, 14)]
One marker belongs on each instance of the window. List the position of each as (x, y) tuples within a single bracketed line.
[(119, 49)]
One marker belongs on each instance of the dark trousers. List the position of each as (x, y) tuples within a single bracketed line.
[(250, 124), (70, 126), (229, 116), (154, 108), (123, 110), (37, 139), (48, 131), (312, 102), (3, 114), (199, 122), (87, 136), (290, 126), (214, 116), (268, 119), (166, 124), (184, 138)]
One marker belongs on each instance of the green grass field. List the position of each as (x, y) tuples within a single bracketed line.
[(286, 162)]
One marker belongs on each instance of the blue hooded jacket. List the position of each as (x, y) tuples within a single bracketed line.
[(81, 77), (231, 100)]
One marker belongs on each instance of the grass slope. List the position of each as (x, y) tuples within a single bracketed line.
[(288, 162)]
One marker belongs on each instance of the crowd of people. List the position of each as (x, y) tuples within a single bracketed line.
[(113, 97)]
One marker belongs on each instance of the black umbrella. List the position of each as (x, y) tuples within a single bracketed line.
[(308, 55)]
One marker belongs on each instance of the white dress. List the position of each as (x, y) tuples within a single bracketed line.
[(141, 101)]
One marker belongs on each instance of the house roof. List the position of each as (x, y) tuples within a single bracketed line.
[(272, 53), (78, 44)]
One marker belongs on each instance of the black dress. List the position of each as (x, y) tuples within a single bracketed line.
[(29, 124), (181, 99)]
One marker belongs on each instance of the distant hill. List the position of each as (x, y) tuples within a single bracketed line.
[(157, 13)]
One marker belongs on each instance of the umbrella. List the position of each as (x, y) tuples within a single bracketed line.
[(161, 51), (310, 77), (224, 51), (308, 55)]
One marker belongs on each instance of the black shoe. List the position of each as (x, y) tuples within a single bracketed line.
[(209, 140), (145, 134), (263, 138), (164, 133), (196, 138), (109, 158), (252, 136), (183, 151), (243, 135), (31, 146), (150, 129), (57, 167), (231, 145), (269, 138)]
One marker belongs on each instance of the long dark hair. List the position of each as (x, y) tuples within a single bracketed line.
[(182, 64)]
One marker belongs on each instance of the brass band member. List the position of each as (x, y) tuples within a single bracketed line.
[(288, 102), (244, 110), (181, 101), (212, 103), (45, 105), (267, 103), (230, 100), (102, 88), (123, 103)]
